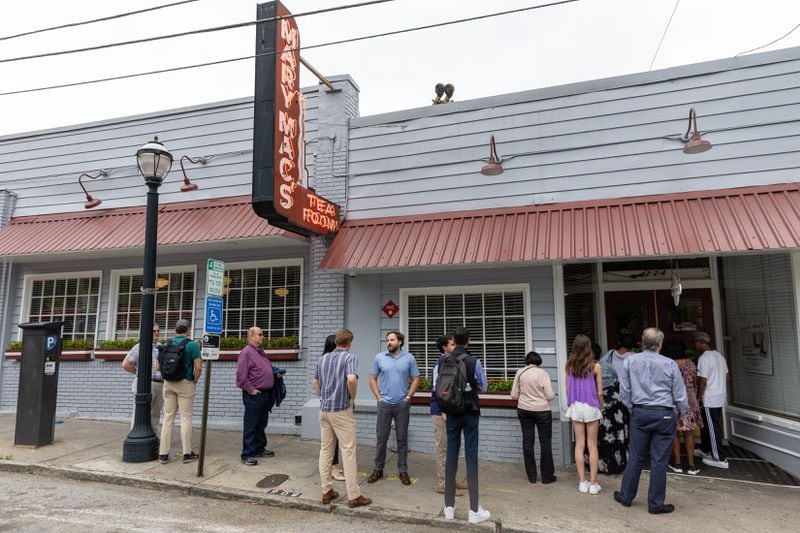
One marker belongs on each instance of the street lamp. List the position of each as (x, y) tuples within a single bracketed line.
[(141, 444)]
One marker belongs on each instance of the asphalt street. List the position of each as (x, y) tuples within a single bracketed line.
[(37, 503)]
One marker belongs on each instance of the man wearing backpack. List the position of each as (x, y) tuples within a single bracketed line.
[(180, 382), (388, 380), (467, 378)]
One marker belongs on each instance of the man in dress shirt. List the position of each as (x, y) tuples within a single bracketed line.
[(650, 385), (256, 377)]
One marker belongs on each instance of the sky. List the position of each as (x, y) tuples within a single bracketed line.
[(583, 40)]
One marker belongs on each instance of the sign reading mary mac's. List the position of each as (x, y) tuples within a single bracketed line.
[(278, 143)]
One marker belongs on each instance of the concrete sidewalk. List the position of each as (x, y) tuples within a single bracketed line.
[(92, 450)]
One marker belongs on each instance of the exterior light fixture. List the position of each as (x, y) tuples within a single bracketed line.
[(154, 162), (493, 167), (188, 185), (91, 201), (162, 283), (443, 90), (694, 144)]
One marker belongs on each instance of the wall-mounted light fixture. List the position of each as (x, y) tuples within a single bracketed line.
[(694, 144), (494, 166), (91, 201), (446, 90), (162, 283), (188, 185)]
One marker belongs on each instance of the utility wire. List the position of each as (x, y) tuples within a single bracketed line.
[(320, 45), (674, 9), (92, 21), (187, 33), (770, 43)]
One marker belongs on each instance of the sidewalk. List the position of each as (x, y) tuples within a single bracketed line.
[(92, 450)]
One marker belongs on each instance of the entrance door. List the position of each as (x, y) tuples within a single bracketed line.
[(633, 311)]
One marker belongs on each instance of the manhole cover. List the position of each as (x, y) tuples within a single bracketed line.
[(272, 481)]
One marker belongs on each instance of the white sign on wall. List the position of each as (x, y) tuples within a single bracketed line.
[(754, 344)]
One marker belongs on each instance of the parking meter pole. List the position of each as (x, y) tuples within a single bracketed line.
[(204, 421)]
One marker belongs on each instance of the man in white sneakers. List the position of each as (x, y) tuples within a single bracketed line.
[(712, 369)]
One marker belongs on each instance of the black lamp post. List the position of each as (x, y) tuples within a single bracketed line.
[(141, 444)]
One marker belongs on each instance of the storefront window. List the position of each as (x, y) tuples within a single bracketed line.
[(174, 300), (495, 319), (71, 299), (265, 296)]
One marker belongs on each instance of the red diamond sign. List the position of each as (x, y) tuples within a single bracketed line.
[(390, 309)]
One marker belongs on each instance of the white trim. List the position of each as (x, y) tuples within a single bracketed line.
[(524, 288), (795, 263), (113, 294), (561, 335), (758, 416), (271, 263), (27, 289), (760, 442)]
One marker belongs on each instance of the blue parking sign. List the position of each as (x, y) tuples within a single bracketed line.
[(213, 315)]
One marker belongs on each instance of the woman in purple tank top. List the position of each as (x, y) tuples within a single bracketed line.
[(584, 408)]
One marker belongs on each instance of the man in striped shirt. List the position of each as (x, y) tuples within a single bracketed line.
[(335, 381)]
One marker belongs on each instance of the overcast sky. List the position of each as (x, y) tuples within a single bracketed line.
[(587, 39)]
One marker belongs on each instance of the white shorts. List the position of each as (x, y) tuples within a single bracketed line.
[(583, 412)]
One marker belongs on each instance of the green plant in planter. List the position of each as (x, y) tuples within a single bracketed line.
[(118, 344), (500, 385), (277, 342), (71, 344), (424, 384)]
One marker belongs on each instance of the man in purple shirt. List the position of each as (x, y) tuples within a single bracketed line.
[(255, 376)]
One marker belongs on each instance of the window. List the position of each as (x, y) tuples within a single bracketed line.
[(266, 295), (174, 300), (496, 318), (73, 299)]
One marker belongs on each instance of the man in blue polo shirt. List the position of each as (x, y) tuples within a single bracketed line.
[(388, 380)]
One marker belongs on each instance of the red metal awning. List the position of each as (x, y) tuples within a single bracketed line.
[(696, 223), (121, 228)]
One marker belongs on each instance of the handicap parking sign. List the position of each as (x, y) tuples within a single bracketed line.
[(213, 315)]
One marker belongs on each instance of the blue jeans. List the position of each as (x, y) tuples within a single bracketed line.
[(467, 422), (653, 430), (256, 417)]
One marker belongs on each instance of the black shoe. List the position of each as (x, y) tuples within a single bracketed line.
[(548, 481), (163, 459), (250, 461), (532, 479), (189, 457), (678, 469), (662, 509), (375, 476), (619, 500), (266, 453)]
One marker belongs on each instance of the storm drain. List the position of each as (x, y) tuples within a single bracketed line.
[(271, 481)]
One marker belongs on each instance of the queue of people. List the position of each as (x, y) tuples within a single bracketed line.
[(623, 406)]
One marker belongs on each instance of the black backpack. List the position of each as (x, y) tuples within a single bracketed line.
[(453, 390), (170, 359)]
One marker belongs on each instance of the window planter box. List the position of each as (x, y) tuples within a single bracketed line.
[(111, 354), (487, 399), (66, 355), (274, 354)]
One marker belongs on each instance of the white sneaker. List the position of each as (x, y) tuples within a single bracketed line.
[(583, 487), (450, 513), (713, 462), (692, 470), (594, 489), (478, 516), (700, 453)]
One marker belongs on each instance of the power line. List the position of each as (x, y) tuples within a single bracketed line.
[(92, 21), (674, 9), (243, 58), (187, 33), (770, 43)]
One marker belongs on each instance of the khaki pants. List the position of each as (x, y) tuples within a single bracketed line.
[(340, 425), (156, 402), (440, 433), (177, 395)]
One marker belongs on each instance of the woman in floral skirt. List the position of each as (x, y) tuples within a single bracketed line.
[(677, 351)]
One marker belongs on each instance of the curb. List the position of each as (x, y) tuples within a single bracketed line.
[(188, 489)]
